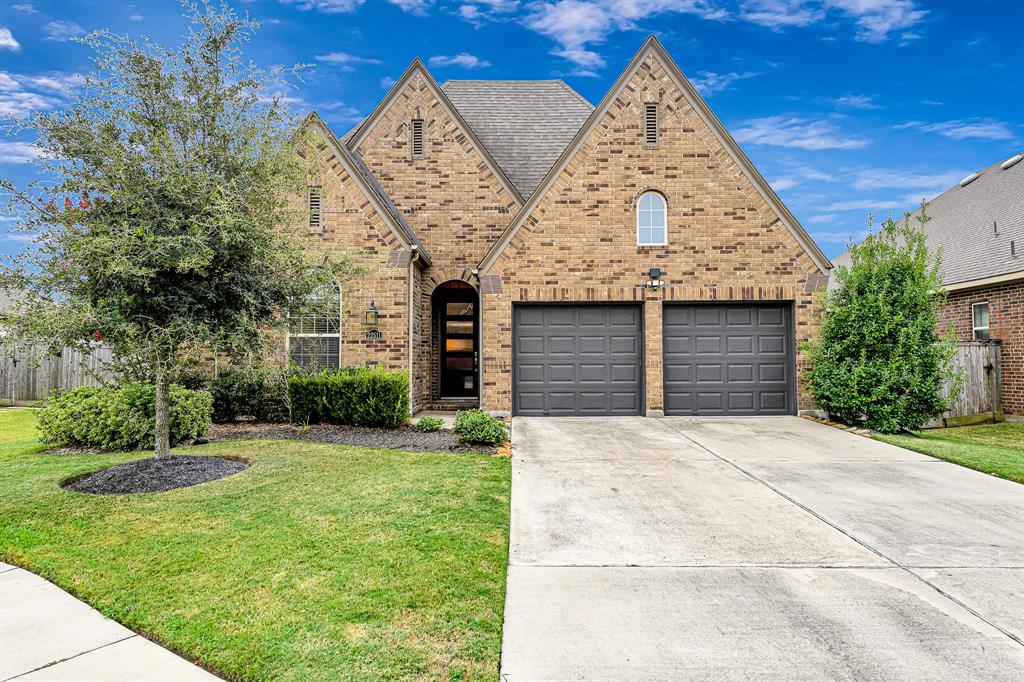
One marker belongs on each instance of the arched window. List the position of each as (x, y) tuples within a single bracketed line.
[(650, 220), (314, 331)]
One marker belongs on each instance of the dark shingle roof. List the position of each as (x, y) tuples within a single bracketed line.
[(961, 222), (525, 125)]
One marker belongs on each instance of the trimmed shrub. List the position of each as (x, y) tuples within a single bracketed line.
[(878, 359), (121, 417), (429, 424), (476, 426), (261, 394), (363, 396)]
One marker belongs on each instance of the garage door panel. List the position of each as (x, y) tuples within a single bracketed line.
[(728, 359), (590, 360)]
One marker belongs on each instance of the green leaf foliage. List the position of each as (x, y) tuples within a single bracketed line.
[(429, 424), (121, 417), (476, 426), (878, 359), (363, 396), (168, 222)]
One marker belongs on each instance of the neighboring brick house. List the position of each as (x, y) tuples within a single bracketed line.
[(979, 227), (538, 255)]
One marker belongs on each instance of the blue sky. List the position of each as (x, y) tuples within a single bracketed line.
[(846, 106)]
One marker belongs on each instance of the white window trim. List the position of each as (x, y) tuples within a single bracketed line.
[(974, 329), (339, 335), (664, 203)]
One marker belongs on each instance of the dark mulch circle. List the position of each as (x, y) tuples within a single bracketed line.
[(402, 438), (152, 475)]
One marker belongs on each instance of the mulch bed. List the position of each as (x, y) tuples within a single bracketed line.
[(402, 438), (152, 475)]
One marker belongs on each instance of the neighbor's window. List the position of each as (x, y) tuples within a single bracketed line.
[(417, 137), (314, 201), (651, 123), (314, 332), (980, 313), (650, 220)]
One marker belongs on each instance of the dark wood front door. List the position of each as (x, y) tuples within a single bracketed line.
[(458, 317)]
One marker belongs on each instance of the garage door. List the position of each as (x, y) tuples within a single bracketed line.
[(728, 360), (577, 360)]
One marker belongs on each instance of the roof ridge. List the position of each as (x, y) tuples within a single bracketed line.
[(573, 92)]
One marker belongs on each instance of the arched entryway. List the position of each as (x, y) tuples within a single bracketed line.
[(456, 317)]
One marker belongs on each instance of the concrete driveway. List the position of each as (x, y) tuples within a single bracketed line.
[(763, 548)]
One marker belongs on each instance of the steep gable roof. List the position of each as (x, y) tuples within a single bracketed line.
[(524, 124), (653, 48), (356, 136), (369, 186), (974, 224)]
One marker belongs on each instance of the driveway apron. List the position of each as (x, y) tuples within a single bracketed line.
[(759, 548)]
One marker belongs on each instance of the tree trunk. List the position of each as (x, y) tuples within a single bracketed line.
[(163, 415)]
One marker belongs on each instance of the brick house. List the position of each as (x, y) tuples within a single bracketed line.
[(979, 227), (538, 255)]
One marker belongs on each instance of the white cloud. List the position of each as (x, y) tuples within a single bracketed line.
[(779, 14), (710, 83), (25, 7), (923, 184), (856, 102), (463, 59), (7, 41), (346, 59), (20, 103), (387, 82), (799, 133), (327, 6), (839, 237), (18, 152), (875, 19), (63, 30), (784, 183), (136, 17), (479, 11), (578, 24), (823, 218), (981, 128), (864, 205), (419, 7)]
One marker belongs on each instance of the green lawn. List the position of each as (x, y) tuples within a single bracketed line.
[(319, 562), (993, 448)]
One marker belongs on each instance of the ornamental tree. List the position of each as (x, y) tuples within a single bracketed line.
[(167, 225), (878, 359)]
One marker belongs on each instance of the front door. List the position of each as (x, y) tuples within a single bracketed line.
[(459, 357)]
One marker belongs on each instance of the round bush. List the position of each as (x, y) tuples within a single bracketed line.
[(121, 417)]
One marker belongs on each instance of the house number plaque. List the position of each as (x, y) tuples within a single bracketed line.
[(373, 335)]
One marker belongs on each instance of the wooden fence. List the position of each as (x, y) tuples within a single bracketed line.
[(31, 375), (980, 398)]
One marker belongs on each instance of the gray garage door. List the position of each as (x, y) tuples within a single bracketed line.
[(728, 360), (577, 360)]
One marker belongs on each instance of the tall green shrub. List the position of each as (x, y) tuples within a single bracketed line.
[(879, 359), (121, 417), (363, 396)]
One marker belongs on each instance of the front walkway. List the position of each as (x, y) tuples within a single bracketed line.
[(768, 549), (46, 634)]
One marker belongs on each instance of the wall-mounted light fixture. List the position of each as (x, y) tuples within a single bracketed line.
[(372, 315), (655, 279)]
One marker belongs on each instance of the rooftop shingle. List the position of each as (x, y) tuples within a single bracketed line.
[(525, 125)]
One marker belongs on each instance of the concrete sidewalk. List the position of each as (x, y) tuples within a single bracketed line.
[(46, 634)]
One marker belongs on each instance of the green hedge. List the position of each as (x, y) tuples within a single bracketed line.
[(121, 417), (477, 426), (362, 396)]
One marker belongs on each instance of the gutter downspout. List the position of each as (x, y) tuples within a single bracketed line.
[(412, 266)]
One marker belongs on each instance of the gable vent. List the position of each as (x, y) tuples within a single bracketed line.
[(651, 123), (315, 201), (417, 137)]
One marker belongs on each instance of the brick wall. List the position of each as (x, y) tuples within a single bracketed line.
[(450, 196), (350, 223), (1006, 323), (579, 243)]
